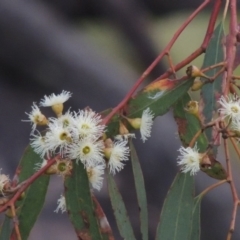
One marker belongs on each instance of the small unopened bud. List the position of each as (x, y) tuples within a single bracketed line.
[(108, 143), (58, 108), (107, 152), (197, 84), (205, 160), (193, 71), (41, 120), (122, 129), (135, 122), (192, 107)]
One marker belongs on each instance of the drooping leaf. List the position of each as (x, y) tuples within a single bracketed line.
[(159, 96), (105, 228), (216, 170), (176, 215), (141, 192), (119, 209), (195, 225), (31, 204), (6, 229), (79, 204), (211, 92), (188, 124)]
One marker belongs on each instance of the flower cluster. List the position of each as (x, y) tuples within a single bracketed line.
[(81, 136)]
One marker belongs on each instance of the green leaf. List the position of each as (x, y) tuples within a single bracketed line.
[(188, 124), (80, 205), (119, 209), (31, 204), (159, 96), (216, 170), (195, 225), (6, 229), (211, 92), (176, 215), (106, 230), (141, 192)]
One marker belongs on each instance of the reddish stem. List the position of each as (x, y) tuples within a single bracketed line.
[(204, 44), (155, 62)]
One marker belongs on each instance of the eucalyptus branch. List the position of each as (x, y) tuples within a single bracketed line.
[(15, 221), (27, 183), (156, 61)]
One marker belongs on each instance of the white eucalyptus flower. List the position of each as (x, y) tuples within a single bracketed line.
[(189, 160), (88, 123), (58, 137), (55, 99), (144, 123), (36, 117), (4, 179), (116, 155), (87, 150), (230, 107), (39, 145), (95, 175)]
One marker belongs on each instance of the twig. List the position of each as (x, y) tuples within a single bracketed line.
[(213, 66), (204, 192), (155, 62), (202, 48), (15, 221)]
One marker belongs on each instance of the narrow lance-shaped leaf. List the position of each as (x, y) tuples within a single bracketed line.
[(79, 204), (211, 92), (119, 209), (106, 230), (159, 96), (6, 229), (31, 204), (195, 225), (141, 192), (176, 215)]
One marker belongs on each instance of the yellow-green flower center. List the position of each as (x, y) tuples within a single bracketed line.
[(86, 150), (234, 109), (62, 167), (64, 136), (85, 126)]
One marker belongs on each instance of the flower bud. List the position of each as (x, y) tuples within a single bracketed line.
[(192, 108), (197, 84), (122, 129), (135, 122), (58, 108), (41, 120), (193, 71)]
